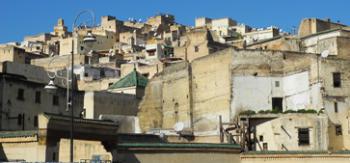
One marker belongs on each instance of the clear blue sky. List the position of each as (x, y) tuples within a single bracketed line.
[(26, 17)]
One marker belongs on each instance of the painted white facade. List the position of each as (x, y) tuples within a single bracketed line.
[(261, 34), (154, 51), (321, 42), (295, 89)]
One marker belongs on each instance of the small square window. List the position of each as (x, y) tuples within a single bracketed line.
[(277, 83), (261, 138), (338, 130), (336, 79), (304, 136), (20, 94), (55, 100), (265, 147), (196, 49)]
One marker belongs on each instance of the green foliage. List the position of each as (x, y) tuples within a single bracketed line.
[(247, 112), (306, 111), (289, 111)]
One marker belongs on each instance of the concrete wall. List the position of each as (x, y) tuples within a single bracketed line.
[(25, 151), (295, 158), (282, 133), (97, 103), (12, 54), (31, 80), (211, 91), (339, 95), (83, 149), (295, 89), (282, 43), (310, 26), (194, 44), (175, 157)]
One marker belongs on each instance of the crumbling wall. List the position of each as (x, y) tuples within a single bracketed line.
[(211, 90)]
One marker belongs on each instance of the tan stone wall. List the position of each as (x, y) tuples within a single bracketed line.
[(149, 70), (96, 85), (83, 149), (194, 44), (282, 133), (12, 54), (340, 96), (211, 87), (211, 90), (295, 158), (176, 157), (97, 103), (58, 62), (26, 151), (283, 43), (175, 96), (150, 109), (310, 26)]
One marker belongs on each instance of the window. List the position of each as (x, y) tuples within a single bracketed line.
[(196, 48), (151, 52), (261, 138), (20, 94), (19, 119), (338, 130), (38, 97), (335, 107), (55, 100), (304, 136), (336, 79), (265, 148), (277, 83), (81, 47), (145, 75), (35, 121)]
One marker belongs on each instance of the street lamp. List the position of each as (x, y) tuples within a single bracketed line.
[(89, 38)]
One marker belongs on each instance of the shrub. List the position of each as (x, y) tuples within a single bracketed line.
[(247, 112)]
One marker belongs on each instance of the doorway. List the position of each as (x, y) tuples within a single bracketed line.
[(277, 104)]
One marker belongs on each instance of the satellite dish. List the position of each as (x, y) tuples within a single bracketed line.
[(325, 54), (179, 126)]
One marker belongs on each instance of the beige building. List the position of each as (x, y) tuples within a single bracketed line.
[(197, 43), (310, 26), (293, 132), (222, 84), (284, 43), (15, 54), (24, 97), (50, 143)]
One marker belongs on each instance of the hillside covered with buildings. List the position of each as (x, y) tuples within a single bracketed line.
[(139, 90)]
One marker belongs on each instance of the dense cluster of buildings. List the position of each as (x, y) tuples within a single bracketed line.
[(144, 89)]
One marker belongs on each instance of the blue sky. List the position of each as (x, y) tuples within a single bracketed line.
[(26, 17)]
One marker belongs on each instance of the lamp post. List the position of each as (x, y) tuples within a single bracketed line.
[(89, 38)]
